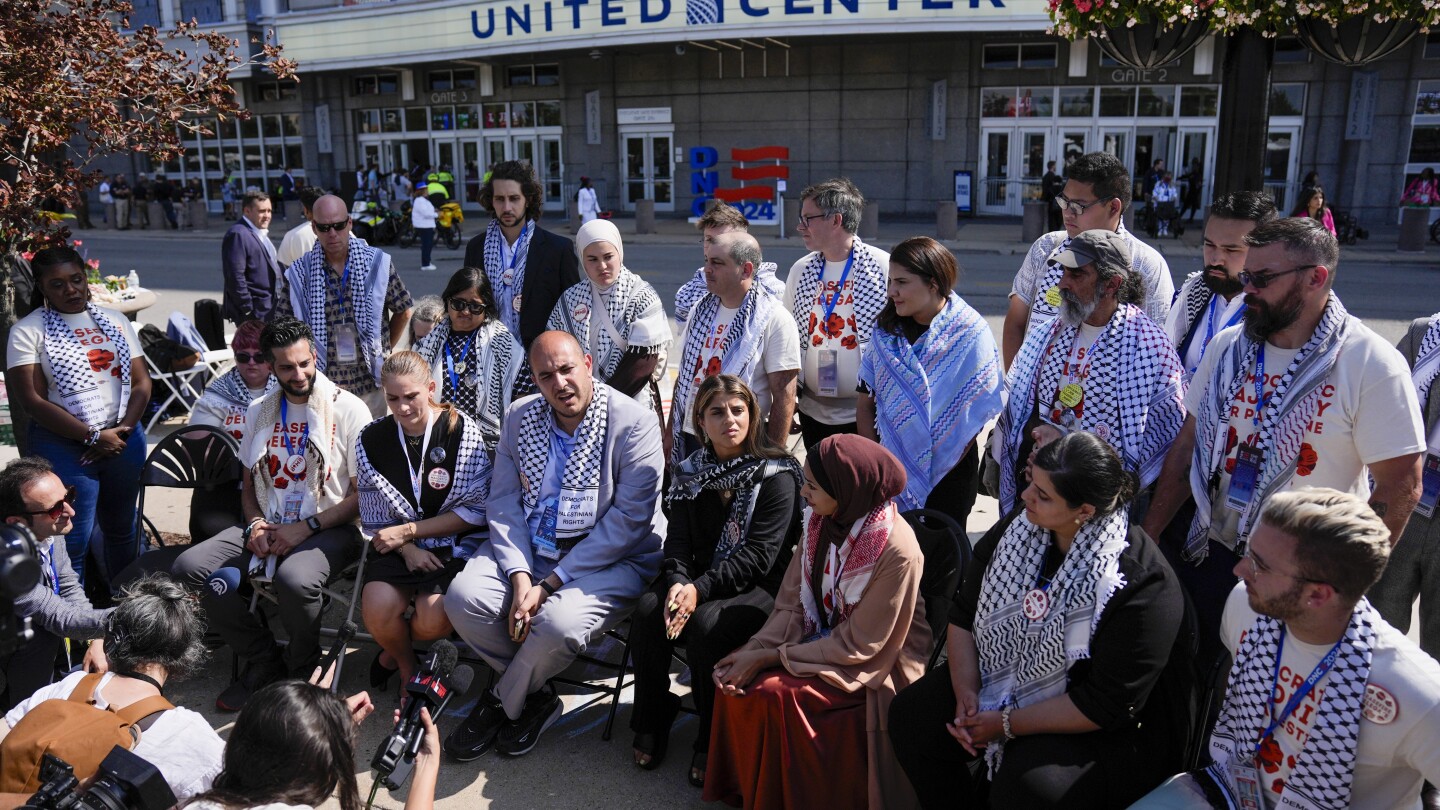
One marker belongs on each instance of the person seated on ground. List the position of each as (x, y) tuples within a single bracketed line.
[(429, 310), (930, 380), (848, 631), (734, 507), (1327, 705), (33, 496), (1064, 673), (616, 315), (154, 637), (300, 507), (575, 536), (223, 405), (293, 747), (423, 477), (474, 356)]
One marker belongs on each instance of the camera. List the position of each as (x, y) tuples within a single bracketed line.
[(19, 573), (124, 782)]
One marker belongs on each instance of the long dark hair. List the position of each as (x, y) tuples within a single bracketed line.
[(757, 442), (1302, 202), (293, 743), (471, 278), (1084, 468), (46, 260), (927, 260)]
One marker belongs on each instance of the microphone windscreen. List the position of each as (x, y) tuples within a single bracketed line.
[(223, 581), (445, 657), (461, 680)]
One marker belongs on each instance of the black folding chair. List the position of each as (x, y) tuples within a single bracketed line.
[(947, 556), (197, 458)]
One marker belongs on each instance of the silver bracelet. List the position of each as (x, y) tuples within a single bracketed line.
[(1005, 722)]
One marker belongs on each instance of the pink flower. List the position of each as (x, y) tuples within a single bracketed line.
[(28, 255), (93, 264), (78, 243)]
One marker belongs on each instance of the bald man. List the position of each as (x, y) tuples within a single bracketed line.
[(575, 534), (349, 293), (740, 328)]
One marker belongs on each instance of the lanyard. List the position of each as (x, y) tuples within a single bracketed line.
[(1259, 386), (1084, 371), (840, 288), (344, 282), (285, 429), (416, 475), (1315, 675), (1210, 326), (54, 572), (450, 361), (514, 251)]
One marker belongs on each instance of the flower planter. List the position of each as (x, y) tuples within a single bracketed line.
[(1148, 45), (1355, 41)]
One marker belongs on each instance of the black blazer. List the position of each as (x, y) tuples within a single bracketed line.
[(249, 275), (550, 268)]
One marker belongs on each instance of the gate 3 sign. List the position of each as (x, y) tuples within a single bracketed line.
[(756, 202)]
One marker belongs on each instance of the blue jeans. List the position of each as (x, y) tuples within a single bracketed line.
[(116, 480), (427, 243)]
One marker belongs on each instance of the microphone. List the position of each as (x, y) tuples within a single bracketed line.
[(437, 682), (224, 580)]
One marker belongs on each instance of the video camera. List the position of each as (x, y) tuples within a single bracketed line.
[(19, 573), (124, 782)]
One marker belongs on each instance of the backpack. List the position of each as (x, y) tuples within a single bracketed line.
[(74, 730)]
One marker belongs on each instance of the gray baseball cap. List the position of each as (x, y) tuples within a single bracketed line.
[(1100, 246)]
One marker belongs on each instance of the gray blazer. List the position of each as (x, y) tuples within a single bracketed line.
[(1420, 527), (629, 527), (67, 614)]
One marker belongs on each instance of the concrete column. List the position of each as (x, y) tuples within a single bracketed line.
[(947, 226), (110, 216), (870, 222), (645, 216), (199, 215), (1414, 230), (158, 220)]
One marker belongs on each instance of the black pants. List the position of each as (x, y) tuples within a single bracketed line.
[(30, 667), (814, 431), (716, 629), (955, 494), (1208, 584)]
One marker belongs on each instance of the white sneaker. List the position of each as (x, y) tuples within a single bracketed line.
[(429, 267)]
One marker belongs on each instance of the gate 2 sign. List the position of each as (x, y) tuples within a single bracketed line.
[(756, 202)]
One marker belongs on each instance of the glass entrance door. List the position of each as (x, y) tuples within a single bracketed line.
[(1195, 154), (1280, 170), (649, 169), (996, 159)]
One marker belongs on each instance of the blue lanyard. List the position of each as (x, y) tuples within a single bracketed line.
[(340, 292), (1259, 385), (54, 572), (450, 361), (515, 251), (285, 429), (1316, 674), (1210, 325), (839, 289)]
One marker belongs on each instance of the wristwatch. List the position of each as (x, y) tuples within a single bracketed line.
[(314, 523)]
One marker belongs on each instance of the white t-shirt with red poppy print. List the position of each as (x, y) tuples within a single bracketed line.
[(27, 348), (350, 416), (1367, 412), (837, 333)]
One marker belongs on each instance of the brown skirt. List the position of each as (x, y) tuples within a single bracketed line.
[(789, 743)]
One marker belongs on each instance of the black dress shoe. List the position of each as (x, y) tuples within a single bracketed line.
[(255, 677), (476, 735)]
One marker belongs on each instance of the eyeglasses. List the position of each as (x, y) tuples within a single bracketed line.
[(56, 511), (246, 357), (326, 227), (1257, 568), (1262, 280), (461, 305), (804, 222), (1075, 209)]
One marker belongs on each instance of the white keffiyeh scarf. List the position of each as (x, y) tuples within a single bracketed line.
[(636, 318), (1321, 776), (367, 277), (578, 505), (694, 290), (742, 476), (321, 451), (507, 280), (740, 351), (73, 371), (1023, 662), (1134, 394), (383, 502), (499, 357), (871, 278), (933, 398), (1427, 362), (1287, 415), (847, 568)]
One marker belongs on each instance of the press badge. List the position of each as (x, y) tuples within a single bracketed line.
[(345, 342), (829, 373), (294, 501), (1247, 786), (1430, 486), (544, 539), (1248, 461)]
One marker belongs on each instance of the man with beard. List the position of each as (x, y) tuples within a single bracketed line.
[(1333, 400), (1102, 366), (1210, 301), (299, 503), (1326, 705)]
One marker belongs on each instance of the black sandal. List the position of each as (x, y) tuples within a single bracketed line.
[(697, 768), (380, 674), (653, 744)]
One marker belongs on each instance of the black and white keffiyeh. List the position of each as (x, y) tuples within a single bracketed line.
[(1023, 662), (694, 290), (499, 356), (367, 277), (1287, 415), (741, 476), (507, 281), (636, 316), (1322, 775), (73, 371), (1134, 392), (1427, 362), (579, 501), (382, 501), (871, 278), (321, 450), (1195, 297), (231, 389)]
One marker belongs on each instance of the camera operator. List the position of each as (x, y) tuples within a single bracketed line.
[(154, 635), (293, 746), (32, 495)]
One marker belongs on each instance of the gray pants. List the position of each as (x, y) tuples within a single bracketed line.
[(298, 580), (1413, 570), (580, 611)]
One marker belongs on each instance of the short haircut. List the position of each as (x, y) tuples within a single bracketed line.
[(282, 333), (248, 333), (1251, 206), (521, 172), (157, 622), (723, 215), (309, 194), (17, 475), (568, 339), (54, 256), (1339, 540), (747, 249), (1304, 239), (838, 196), (1105, 173), (253, 198)]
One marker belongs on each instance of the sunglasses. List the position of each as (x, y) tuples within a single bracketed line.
[(472, 307), (326, 227), (1262, 280), (56, 511), (245, 357)]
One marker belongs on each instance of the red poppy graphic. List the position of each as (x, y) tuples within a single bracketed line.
[(1278, 786), (115, 372), (849, 342), (851, 320), (1231, 439), (817, 340), (274, 464), (282, 483), (238, 434), (100, 359), (1308, 457), (713, 367), (1269, 755), (813, 320), (834, 325)]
